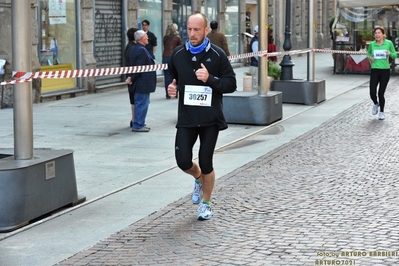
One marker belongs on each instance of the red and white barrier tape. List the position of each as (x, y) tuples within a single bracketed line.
[(22, 77), (338, 51)]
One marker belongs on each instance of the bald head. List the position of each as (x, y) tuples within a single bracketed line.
[(197, 28), (199, 16)]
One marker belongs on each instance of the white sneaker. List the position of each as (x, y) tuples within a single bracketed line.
[(375, 109), (381, 116), (197, 193), (204, 212)]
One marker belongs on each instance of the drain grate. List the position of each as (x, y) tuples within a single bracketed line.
[(100, 134)]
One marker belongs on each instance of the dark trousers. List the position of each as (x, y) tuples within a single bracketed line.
[(379, 76), (167, 76), (141, 102)]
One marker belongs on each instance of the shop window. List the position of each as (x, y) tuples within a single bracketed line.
[(232, 30), (210, 9), (152, 11), (57, 41), (180, 13)]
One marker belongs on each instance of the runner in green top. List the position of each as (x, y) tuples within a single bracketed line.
[(379, 52)]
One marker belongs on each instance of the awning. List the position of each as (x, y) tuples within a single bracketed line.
[(360, 10), (366, 3)]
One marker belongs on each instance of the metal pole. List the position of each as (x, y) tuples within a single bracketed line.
[(287, 64), (314, 28), (2, 93), (311, 43), (21, 61), (263, 84), (3, 74), (194, 6)]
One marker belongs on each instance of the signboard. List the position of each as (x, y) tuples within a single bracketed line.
[(57, 11), (342, 39)]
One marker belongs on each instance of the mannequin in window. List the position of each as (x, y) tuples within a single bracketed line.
[(54, 49)]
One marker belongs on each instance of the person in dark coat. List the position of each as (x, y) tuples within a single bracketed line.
[(152, 39), (142, 83), (203, 74), (218, 38), (128, 49)]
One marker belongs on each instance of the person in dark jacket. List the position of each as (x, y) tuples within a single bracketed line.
[(142, 83), (218, 38), (202, 73), (128, 49), (152, 39)]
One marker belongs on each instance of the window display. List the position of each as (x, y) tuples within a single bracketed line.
[(210, 9), (181, 10), (232, 30), (152, 11), (57, 45)]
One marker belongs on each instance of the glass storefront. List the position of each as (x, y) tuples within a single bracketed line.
[(57, 45), (232, 30), (57, 41), (181, 11), (210, 9), (152, 11)]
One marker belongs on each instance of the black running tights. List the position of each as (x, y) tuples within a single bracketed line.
[(380, 76), (184, 143)]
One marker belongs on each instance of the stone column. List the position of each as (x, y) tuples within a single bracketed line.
[(87, 45), (167, 14)]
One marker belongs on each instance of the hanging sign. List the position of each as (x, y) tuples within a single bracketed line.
[(57, 11)]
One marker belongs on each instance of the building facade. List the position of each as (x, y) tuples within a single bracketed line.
[(89, 34)]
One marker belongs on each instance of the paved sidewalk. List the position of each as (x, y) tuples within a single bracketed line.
[(332, 191)]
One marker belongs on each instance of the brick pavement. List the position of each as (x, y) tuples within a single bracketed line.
[(330, 191)]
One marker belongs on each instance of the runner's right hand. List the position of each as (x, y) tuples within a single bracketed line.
[(172, 89)]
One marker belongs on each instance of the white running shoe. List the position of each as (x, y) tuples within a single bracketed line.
[(381, 116), (204, 212), (197, 193), (375, 109)]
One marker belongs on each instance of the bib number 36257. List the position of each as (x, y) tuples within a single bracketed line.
[(197, 95)]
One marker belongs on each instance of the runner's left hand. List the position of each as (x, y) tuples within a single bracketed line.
[(202, 73)]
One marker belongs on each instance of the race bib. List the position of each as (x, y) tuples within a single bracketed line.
[(380, 54), (197, 95)]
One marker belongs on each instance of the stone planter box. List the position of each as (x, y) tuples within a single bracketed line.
[(35, 187), (301, 91), (249, 108)]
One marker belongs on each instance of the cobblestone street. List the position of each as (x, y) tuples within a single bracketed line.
[(328, 196)]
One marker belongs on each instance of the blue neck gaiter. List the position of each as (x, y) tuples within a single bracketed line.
[(197, 49)]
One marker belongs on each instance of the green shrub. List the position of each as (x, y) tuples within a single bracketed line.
[(274, 70), (367, 35)]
